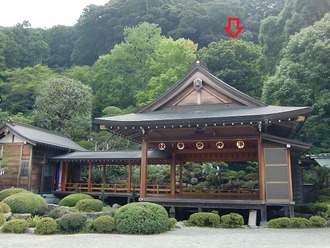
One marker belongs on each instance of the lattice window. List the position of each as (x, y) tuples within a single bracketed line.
[(24, 168)]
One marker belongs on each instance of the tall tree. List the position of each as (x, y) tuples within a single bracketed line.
[(302, 78), (64, 105), (236, 63)]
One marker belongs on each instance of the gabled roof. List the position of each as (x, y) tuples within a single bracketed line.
[(38, 136), (200, 98)]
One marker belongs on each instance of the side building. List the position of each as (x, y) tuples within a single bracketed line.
[(24, 152)]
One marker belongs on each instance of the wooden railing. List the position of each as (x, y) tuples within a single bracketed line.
[(152, 189)]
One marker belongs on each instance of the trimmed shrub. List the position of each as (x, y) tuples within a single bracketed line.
[(89, 205), (60, 211), (172, 223), (232, 220), (104, 224), (2, 219), (141, 218), (298, 222), (46, 226), (317, 221), (4, 208), (34, 220), (71, 200), (204, 219), (15, 226), (27, 203), (282, 222), (10, 191), (72, 222)]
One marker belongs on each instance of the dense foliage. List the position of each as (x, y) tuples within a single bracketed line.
[(104, 224), (89, 205), (204, 219), (232, 220), (141, 218), (15, 226), (10, 191), (72, 222)]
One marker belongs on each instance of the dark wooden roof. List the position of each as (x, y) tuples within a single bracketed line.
[(200, 99), (39, 136), (114, 156)]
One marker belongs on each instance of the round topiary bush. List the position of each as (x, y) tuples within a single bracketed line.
[(46, 226), (58, 212), (172, 223), (89, 205), (317, 221), (141, 218), (71, 200), (72, 222), (104, 224), (282, 222), (232, 220), (15, 226), (27, 203), (2, 219), (10, 191), (204, 219), (298, 222), (4, 208)]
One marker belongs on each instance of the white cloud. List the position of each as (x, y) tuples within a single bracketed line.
[(43, 13)]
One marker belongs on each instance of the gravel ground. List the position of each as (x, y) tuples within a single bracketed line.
[(180, 238)]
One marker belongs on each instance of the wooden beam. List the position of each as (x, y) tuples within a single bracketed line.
[(89, 187), (173, 174), (181, 178), (261, 164), (30, 167), (144, 170)]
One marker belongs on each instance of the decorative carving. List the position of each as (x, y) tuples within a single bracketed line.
[(162, 146), (180, 146), (240, 144), (199, 145), (220, 145)]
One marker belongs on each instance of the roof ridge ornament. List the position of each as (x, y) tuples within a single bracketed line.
[(198, 63)]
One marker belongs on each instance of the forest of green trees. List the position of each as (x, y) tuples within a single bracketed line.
[(120, 56)]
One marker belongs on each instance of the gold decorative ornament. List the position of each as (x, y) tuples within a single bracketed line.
[(162, 146), (240, 144), (220, 145), (180, 146), (199, 145)]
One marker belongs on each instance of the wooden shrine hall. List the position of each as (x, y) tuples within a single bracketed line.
[(203, 119)]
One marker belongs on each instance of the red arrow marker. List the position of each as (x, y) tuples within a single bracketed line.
[(238, 27)]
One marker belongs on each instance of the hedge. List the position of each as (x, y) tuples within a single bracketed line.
[(104, 224), (141, 218), (71, 200), (232, 220), (27, 203), (204, 219), (47, 226), (89, 205), (15, 226), (72, 222)]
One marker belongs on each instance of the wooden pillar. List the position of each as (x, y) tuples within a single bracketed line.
[(104, 175), (181, 178), (129, 177), (30, 169), (261, 163), (89, 177), (144, 170), (173, 174)]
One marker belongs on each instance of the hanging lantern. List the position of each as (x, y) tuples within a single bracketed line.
[(162, 146), (180, 146), (240, 144), (199, 145), (220, 145)]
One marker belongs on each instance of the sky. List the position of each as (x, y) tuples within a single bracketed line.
[(43, 13)]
